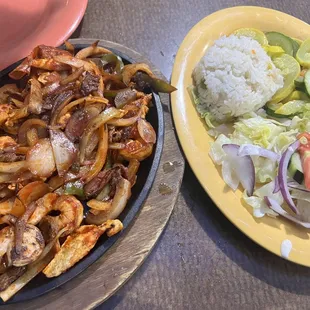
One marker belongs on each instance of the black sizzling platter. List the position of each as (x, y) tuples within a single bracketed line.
[(146, 175)]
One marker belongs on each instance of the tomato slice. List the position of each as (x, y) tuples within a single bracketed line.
[(304, 151)]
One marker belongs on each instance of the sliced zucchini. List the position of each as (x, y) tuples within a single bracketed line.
[(307, 81), (274, 51), (296, 95), (295, 47), (271, 113), (270, 109), (291, 108), (253, 33), (300, 82), (290, 69), (279, 39), (303, 54)]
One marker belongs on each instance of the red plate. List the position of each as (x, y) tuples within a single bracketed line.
[(27, 23)]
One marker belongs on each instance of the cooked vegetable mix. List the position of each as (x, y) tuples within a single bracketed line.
[(73, 127)]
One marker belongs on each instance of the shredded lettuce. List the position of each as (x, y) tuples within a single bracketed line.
[(265, 169), (257, 201), (253, 128), (201, 108), (301, 124), (216, 152), (193, 94), (283, 140), (209, 120), (259, 131), (256, 130), (226, 129)]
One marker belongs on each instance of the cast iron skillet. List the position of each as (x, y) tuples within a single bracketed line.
[(146, 175)]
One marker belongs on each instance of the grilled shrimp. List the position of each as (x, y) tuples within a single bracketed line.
[(44, 206), (69, 213)]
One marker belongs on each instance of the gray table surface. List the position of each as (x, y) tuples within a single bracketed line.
[(201, 261)]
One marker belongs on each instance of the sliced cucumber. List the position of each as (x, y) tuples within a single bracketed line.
[(300, 83), (295, 168), (295, 47), (287, 110), (279, 39), (303, 54), (271, 113), (307, 81), (270, 109)]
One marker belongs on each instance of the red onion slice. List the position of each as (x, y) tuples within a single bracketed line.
[(284, 161), (298, 187), (250, 149), (278, 209), (276, 185), (243, 167)]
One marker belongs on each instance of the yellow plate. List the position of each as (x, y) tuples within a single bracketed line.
[(268, 232)]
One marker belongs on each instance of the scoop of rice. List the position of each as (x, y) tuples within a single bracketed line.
[(235, 76)]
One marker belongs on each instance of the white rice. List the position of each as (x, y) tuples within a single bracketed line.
[(235, 76)]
